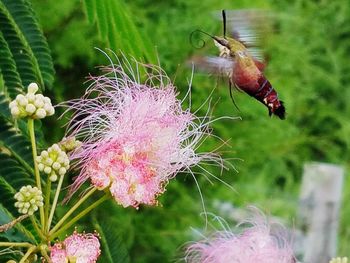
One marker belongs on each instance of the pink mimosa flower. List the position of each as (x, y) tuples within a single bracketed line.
[(256, 243), (79, 248), (135, 135)]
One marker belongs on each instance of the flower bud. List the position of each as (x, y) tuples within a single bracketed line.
[(38, 102), (33, 88), (30, 109), (19, 97), (53, 162), (69, 144), (62, 171), (15, 111), (47, 170), (49, 109), (29, 199), (40, 113), (53, 177), (31, 105), (13, 104), (41, 167), (56, 165), (30, 97), (23, 101)]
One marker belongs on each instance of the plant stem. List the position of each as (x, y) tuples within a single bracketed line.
[(15, 244), (53, 208), (32, 218), (26, 255), (45, 255), (11, 224), (47, 202), (80, 215), (36, 169), (70, 211)]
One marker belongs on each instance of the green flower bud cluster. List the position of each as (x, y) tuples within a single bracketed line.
[(53, 162), (32, 105), (69, 144), (29, 199)]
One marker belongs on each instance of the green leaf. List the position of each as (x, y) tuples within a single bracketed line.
[(24, 17), (24, 55), (12, 178), (8, 69), (4, 106), (17, 144), (115, 25), (89, 9), (112, 244)]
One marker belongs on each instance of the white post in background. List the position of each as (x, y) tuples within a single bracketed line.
[(320, 199)]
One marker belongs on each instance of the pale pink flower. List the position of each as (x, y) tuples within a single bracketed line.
[(135, 135), (257, 241), (79, 248)]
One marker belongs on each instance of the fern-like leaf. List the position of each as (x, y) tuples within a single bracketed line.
[(115, 26), (25, 55), (8, 69), (12, 178), (112, 244), (17, 144), (24, 17)]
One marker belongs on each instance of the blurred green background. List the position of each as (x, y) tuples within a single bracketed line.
[(308, 65)]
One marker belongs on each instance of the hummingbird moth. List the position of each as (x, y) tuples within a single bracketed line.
[(243, 65)]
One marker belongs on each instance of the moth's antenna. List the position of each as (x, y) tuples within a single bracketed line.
[(201, 41), (224, 22), (221, 41)]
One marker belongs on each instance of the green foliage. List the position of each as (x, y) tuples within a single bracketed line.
[(113, 245), (115, 24), (24, 58), (15, 165), (24, 52), (13, 177)]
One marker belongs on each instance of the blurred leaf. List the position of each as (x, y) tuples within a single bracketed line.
[(116, 26), (112, 245)]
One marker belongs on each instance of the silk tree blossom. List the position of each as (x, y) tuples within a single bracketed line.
[(135, 136), (256, 241), (78, 248)]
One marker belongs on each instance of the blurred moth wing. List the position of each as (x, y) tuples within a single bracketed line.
[(214, 65), (250, 27)]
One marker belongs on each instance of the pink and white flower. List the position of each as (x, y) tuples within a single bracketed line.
[(260, 242), (78, 248), (135, 135)]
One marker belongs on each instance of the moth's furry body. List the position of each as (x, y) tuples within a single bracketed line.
[(247, 75)]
